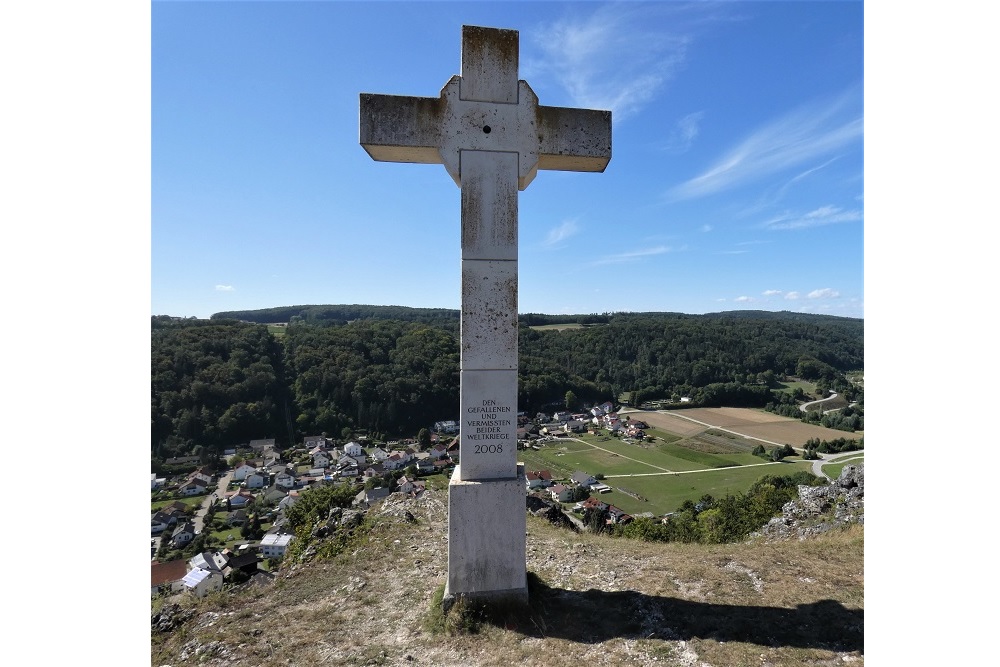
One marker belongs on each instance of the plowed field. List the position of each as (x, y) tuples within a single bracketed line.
[(756, 424)]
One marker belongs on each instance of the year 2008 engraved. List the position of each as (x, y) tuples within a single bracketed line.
[(487, 422)]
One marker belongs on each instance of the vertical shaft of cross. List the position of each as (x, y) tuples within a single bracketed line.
[(488, 403)]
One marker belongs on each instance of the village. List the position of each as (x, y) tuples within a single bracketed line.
[(265, 481)]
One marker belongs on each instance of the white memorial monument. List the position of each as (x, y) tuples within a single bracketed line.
[(492, 136)]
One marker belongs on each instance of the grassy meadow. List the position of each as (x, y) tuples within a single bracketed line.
[(658, 476)]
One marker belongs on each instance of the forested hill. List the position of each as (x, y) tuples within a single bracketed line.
[(339, 314), (393, 370)]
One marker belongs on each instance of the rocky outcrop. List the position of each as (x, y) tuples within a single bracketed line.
[(821, 508)]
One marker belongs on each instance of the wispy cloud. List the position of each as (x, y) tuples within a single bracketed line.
[(567, 229), (612, 58), (824, 215), (811, 132), (225, 288), (771, 292), (825, 293), (634, 255), (744, 299), (684, 133)]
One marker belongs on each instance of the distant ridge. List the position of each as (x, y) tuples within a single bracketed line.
[(349, 312)]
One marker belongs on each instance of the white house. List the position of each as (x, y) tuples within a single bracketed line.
[(273, 545), (311, 441), (379, 454), (193, 488), (241, 472), (262, 444), (201, 474), (182, 534), (321, 459), (158, 523), (404, 485), (213, 561), (257, 480), (353, 449), (538, 478), (200, 582), (449, 426), (239, 500), (285, 480), (561, 493)]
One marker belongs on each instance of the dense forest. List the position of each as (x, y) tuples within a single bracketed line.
[(392, 370)]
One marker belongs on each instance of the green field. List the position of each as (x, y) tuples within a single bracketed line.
[(788, 387), (192, 502), (663, 474), (833, 469)]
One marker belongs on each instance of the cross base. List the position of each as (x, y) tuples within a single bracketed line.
[(486, 540)]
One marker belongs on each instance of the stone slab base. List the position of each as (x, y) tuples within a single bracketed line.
[(486, 539)]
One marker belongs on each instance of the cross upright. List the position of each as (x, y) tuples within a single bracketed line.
[(488, 130)]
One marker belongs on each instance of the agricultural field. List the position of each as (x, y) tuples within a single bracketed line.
[(767, 428), (691, 453)]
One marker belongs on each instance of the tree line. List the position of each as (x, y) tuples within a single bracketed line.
[(224, 381)]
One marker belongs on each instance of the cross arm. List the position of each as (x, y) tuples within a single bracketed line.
[(397, 128), (573, 139)]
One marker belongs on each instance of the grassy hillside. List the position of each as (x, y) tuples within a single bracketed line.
[(595, 600)]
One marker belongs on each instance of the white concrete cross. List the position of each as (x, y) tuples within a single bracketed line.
[(488, 130)]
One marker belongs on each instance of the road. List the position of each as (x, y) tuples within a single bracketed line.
[(199, 516), (817, 466)]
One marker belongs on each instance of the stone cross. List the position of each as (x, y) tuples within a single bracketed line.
[(488, 130)]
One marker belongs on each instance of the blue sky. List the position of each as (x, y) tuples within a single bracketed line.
[(736, 179)]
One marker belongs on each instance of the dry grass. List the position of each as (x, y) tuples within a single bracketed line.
[(594, 600)]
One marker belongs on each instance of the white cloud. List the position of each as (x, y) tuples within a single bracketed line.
[(772, 292), (225, 288), (706, 228), (824, 215), (744, 299), (559, 234), (792, 296), (634, 255), (810, 132), (684, 133), (614, 59), (825, 293)]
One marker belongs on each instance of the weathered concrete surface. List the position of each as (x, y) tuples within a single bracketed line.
[(485, 109), (488, 448), (489, 315), (486, 538), (489, 205)]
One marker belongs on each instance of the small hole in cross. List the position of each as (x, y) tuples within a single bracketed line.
[(487, 129)]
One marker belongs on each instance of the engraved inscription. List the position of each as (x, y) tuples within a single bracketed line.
[(489, 426)]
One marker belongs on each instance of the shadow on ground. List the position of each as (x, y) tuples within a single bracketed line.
[(594, 616)]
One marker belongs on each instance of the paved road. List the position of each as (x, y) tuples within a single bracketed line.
[(199, 516), (817, 466), (805, 406)]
